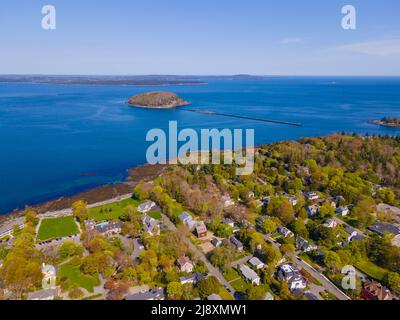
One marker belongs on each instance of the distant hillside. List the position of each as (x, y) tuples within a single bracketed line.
[(157, 100)]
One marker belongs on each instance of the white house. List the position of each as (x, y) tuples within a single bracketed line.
[(292, 276), (146, 207), (227, 201), (343, 211), (250, 274), (285, 232), (330, 223), (256, 263), (293, 200), (185, 217), (311, 196), (312, 210), (185, 265)]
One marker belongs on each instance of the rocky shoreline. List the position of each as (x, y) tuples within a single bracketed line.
[(137, 174)]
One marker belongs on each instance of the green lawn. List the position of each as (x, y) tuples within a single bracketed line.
[(111, 211), (231, 274), (224, 294), (371, 269), (155, 215), (76, 277), (235, 280), (53, 228)]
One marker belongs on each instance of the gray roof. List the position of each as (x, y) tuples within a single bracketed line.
[(154, 294), (248, 273), (382, 227), (107, 226), (214, 297)]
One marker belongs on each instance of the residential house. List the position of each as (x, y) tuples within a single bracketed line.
[(256, 263), (304, 245), (285, 232), (312, 210), (153, 294), (45, 294), (311, 196), (201, 230), (250, 274), (151, 225), (382, 228), (266, 200), (216, 242), (90, 224), (185, 217), (375, 291), (330, 223), (236, 243), (392, 211), (293, 200), (343, 211), (109, 228), (269, 296), (228, 222), (185, 265), (251, 195), (227, 201), (193, 278), (292, 276), (353, 234), (146, 207)]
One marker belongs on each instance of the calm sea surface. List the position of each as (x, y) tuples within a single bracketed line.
[(61, 139)]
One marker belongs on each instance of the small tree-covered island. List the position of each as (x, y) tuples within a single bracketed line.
[(157, 100), (387, 122), (311, 209)]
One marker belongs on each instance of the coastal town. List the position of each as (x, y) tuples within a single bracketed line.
[(315, 215)]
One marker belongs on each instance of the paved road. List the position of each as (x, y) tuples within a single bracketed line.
[(326, 283), (200, 255), (240, 261)]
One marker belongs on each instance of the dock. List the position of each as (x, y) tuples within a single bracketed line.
[(297, 124)]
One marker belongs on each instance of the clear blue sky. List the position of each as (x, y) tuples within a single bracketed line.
[(285, 37)]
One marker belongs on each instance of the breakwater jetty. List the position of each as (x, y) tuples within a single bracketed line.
[(297, 124)]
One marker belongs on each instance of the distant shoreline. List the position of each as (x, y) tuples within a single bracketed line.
[(384, 124)]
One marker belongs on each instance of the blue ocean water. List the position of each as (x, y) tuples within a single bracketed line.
[(61, 139)]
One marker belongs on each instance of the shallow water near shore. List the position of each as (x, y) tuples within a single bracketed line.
[(61, 139)]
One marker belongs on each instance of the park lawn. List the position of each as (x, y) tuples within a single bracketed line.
[(74, 274), (53, 228), (111, 211), (371, 269), (155, 215)]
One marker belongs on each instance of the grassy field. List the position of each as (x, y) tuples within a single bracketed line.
[(53, 228), (111, 211), (371, 269), (224, 294), (155, 215), (74, 274)]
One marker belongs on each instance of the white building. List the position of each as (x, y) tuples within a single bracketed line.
[(250, 274), (292, 276)]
